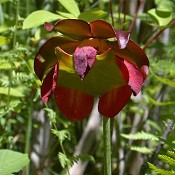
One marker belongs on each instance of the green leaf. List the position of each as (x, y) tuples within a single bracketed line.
[(2, 1), (92, 14), (161, 103), (3, 40), (39, 18), (167, 159), (161, 17), (160, 171), (143, 149), (66, 15), (12, 162), (171, 153), (164, 80), (165, 4), (86, 157), (62, 135), (140, 136), (70, 6), (64, 160), (11, 91)]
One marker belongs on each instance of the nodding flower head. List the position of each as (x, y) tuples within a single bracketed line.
[(84, 63)]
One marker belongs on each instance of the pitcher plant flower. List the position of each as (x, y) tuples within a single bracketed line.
[(88, 61)]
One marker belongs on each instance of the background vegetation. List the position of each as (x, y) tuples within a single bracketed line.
[(143, 132)]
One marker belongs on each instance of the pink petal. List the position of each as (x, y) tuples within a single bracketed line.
[(111, 103), (136, 78), (122, 38), (49, 84), (49, 27), (75, 105), (144, 69), (84, 58)]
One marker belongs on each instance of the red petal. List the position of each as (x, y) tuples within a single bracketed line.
[(123, 69), (74, 104), (111, 103), (46, 57), (102, 29), (74, 28), (136, 77), (122, 38), (49, 84), (132, 53)]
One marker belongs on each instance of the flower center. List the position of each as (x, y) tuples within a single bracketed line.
[(84, 58)]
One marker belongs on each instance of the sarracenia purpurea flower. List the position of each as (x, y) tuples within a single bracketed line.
[(90, 60)]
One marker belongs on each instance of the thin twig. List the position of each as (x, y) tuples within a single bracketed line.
[(119, 10), (156, 36), (137, 11), (111, 12)]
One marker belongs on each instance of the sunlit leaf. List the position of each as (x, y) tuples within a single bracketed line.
[(12, 162), (11, 91), (143, 149), (165, 4), (140, 136), (3, 40), (2, 1), (70, 6), (92, 14), (38, 18), (161, 17), (66, 15)]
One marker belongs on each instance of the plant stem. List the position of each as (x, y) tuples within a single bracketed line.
[(134, 20), (28, 135), (16, 23), (157, 35), (111, 12), (107, 146)]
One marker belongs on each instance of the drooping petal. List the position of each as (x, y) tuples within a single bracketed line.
[(136, 78), (112, 102), (131, 53), (101, 29), (144, 69), (84, 58), (122, 38), (123, 69), (46, 58), (73, 28), (49, 84), (75, 105)]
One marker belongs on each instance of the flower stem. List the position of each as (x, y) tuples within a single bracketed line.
[(107, 146)]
